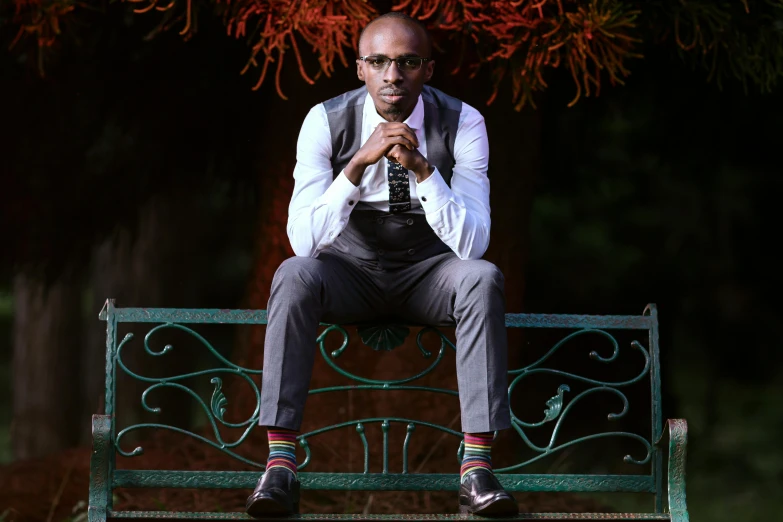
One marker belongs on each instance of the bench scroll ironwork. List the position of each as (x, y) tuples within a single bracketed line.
[(647, 457)]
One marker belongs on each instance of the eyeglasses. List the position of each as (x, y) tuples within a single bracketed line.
[(404, 63)]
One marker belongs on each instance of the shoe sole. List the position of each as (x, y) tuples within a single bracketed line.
[(266, 507), (499, 508)]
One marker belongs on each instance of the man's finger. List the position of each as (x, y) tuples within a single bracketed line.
[(402, 130), (394, 141), (393, 124), (394, 153)]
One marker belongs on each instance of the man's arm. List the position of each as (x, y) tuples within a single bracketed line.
[(320, 206), (460, 215)]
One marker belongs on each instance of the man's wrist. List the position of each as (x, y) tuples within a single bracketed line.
[(354, 172), (424, 170)]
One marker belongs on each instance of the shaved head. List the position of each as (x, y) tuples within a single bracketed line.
[(394, 19)]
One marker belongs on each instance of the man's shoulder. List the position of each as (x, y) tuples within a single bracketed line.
[(352, 98)]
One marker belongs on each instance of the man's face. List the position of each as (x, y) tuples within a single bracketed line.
[(394, 91)]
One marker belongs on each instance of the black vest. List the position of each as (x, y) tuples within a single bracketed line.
[(441, 119)]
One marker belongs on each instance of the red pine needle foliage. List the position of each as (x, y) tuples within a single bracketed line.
[(329, 27), (40, 20), (520, 39)]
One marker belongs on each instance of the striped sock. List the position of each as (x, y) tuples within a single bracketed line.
[(478, 449), (282, 449)]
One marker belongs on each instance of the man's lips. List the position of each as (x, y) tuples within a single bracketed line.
[(393, 96)]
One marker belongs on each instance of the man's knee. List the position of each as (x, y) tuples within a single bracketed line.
[(298, 273), (480, 274)]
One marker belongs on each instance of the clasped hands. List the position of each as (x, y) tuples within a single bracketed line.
[(397, 142)]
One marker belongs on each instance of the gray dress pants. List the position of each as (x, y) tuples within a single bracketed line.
[(382, 266)]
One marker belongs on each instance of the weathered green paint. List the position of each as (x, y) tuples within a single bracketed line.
[(110, 397), (383, 337), (217, 316), (384, 518), (678, 441), (381, 481), (648, 458), (608, 322), (411, 428), (185, 315), (111, 350), (657, 416), (555, 412), (101, 483)]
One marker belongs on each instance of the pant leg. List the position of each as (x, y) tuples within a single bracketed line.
[(304, 292), (446, 290)]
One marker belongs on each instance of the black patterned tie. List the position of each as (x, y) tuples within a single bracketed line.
[(399, 188)]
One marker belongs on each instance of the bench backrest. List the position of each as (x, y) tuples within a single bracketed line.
[(646, 459)]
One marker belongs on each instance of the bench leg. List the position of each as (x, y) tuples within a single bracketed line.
[(100, 469), (678, 440)]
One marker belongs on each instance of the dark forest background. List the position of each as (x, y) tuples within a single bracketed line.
[(148, 171)]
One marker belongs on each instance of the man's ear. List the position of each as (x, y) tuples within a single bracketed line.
[(359, 70), (430, 68)]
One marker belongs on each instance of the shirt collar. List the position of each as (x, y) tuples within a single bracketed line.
[(415, 121)]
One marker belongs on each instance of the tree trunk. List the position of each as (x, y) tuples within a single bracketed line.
[(45, 365), (148, 269), (515, 144)]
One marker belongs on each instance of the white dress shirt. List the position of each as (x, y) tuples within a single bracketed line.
[(321, 206)]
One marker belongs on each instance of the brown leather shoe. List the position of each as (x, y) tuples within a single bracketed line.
[(277, 494), (480, 493)]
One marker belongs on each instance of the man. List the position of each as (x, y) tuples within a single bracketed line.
[(389, 217)]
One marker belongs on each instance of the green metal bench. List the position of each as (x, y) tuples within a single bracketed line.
[(649, 459)]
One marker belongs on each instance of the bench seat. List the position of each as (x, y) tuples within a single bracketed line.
[(206, 515)]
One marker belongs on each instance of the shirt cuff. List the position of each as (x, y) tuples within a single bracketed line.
[(433, 192), (341, 196)]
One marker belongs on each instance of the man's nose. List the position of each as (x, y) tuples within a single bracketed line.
[(392, 74)]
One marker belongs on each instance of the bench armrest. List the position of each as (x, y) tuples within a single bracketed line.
[(678, 440), (100, 495)]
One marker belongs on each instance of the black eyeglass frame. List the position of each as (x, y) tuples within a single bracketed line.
[(397, 60)]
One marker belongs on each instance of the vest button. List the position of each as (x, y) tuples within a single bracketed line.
[(381, 252), (411, 252), (350, 202), (410, 221), (379, 221)]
